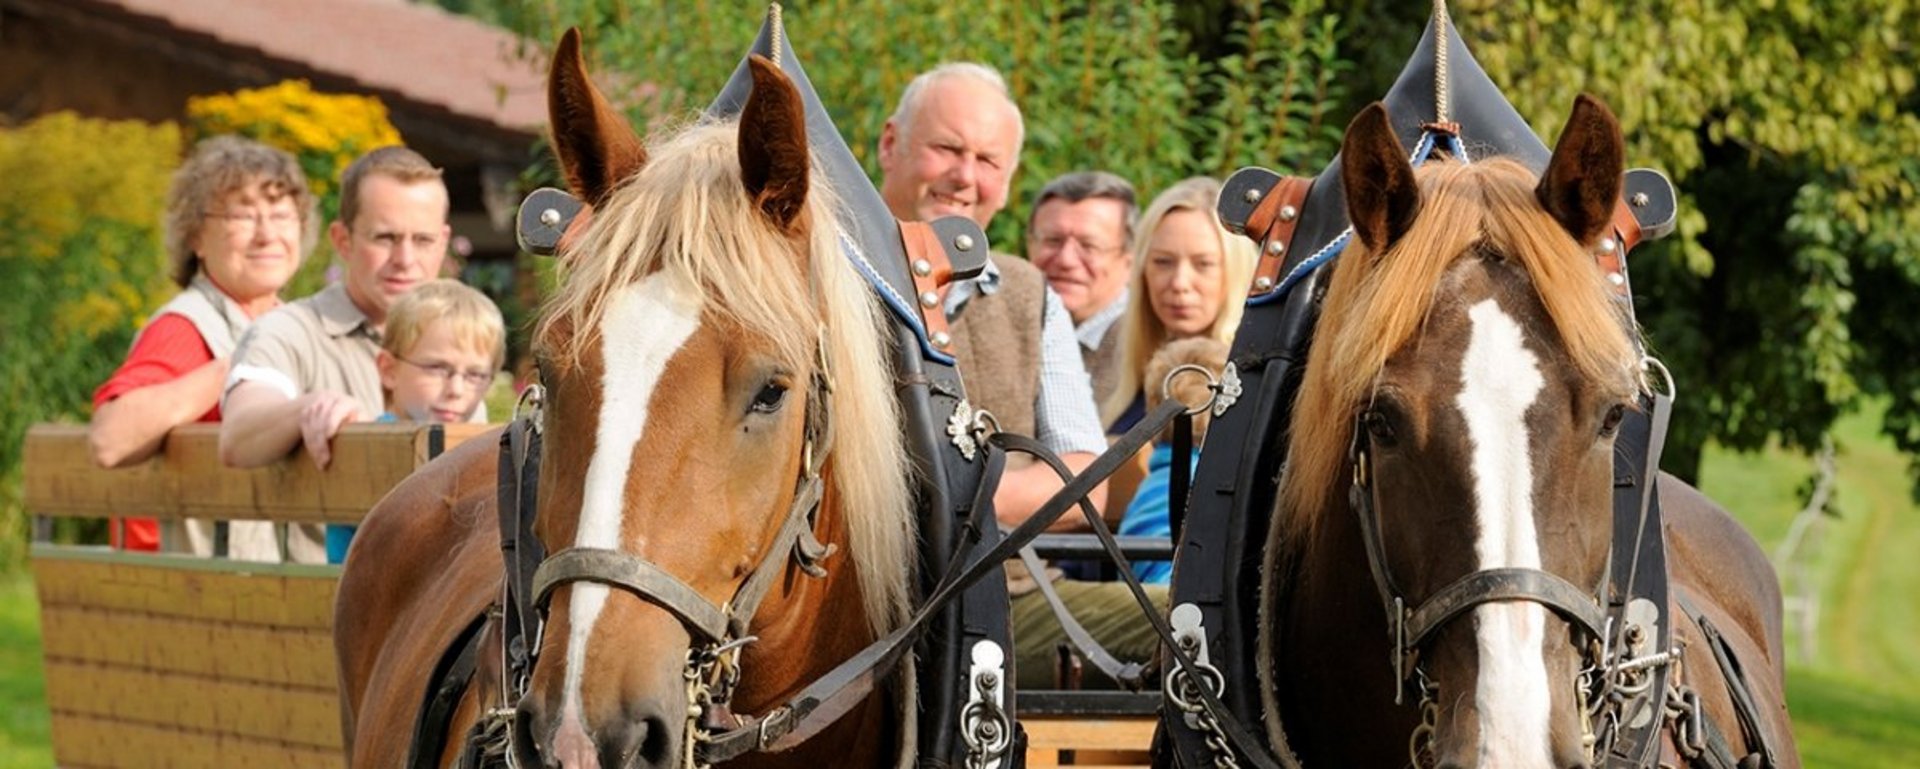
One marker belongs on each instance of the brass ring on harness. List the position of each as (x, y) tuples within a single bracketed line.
[(1213, 387)]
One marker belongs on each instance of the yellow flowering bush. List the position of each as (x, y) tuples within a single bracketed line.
[(81, 260), (325, 131)]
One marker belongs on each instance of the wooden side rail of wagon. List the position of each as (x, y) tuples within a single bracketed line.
[(173, 660)]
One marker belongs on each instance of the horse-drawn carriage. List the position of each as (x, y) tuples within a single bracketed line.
[(747, 516)]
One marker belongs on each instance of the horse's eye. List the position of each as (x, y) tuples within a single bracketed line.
[(1612, 421), (1379, 426), (769, 398)]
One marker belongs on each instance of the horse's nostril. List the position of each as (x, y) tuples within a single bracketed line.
[(526, 750), (639, 742)]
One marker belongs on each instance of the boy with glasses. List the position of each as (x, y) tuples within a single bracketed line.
[(444, 343)]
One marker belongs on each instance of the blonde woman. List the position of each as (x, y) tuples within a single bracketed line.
[(1189, 280)]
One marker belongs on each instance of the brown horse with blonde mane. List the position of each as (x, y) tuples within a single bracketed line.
[(1467, 376), (706, 315)]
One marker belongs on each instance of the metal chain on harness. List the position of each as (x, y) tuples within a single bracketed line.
[(1182, 688), (1420, 744)]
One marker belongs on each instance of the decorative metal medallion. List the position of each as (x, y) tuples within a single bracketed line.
[(1229, 389), (960, 428)]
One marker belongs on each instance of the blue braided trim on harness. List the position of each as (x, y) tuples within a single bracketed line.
[(1338, 245), (897, 304)]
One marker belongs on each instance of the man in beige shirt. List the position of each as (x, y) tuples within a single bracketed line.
[(306, 369)]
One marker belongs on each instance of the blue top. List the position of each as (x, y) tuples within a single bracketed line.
[(340, 535), (1147, 514)]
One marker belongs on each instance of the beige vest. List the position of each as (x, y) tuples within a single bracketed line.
[(1103, 363), (996, 339)]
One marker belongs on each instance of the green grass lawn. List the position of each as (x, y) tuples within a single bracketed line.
[(1854, 690), (23, 709), (1852, 684)]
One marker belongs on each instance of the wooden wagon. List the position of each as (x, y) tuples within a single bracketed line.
[(172, 660)]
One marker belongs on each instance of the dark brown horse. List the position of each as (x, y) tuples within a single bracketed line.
[(706, 315), (1464, 387)]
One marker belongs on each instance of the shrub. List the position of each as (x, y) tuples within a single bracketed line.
[(81, 259)]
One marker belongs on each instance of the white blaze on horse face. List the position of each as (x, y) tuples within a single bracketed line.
[(1500, 380), (644, 325)]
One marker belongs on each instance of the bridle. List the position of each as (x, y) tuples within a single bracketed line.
[(1410, 629), (719, 631), (712, 624)]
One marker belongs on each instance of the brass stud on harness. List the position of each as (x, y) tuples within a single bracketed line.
[(922, 267), (1276, 248), (1616, 279), (1607, 245), (963, 242), (1640, 200), (929, 299), (1289, 213), (550, 217), (1251, 196), (1263, 283), (941, 339)]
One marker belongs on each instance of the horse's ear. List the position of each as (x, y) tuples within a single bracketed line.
[(597, 147), (773, 146), (1582, 184), (1382, 196)]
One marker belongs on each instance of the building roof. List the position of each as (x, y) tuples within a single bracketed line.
[(416, 52)]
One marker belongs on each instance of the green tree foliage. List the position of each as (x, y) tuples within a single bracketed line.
[(81, 260), (1116, 86), (1790, 128)]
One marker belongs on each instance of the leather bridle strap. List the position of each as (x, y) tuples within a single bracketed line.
[(634, 575), (1508, 584)]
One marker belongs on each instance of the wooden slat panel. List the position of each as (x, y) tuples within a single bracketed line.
[(187, 480), (295, 715), (85, 741), (291, 656), (182, 587)]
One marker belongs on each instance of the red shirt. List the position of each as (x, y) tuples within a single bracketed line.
[(168, 349)]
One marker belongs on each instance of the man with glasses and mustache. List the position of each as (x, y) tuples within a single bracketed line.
[(308, 368), (1080, 235), (951, 148)]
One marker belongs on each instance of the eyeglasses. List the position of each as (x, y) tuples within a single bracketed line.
[(248, 221), (1053, 244), (446, 373)]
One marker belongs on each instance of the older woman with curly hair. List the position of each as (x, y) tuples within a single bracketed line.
[(239, 218)]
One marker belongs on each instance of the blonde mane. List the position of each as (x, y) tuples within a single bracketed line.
[(686, 212), (1375, 305)]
